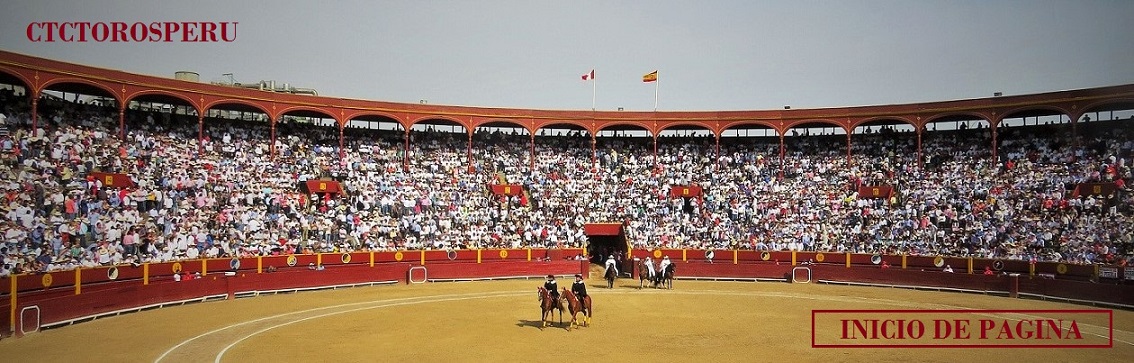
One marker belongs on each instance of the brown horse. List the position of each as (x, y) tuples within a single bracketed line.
[(547, 304), (575, 307), (644, 274)]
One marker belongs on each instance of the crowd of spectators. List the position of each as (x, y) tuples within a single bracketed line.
[(227, 196)]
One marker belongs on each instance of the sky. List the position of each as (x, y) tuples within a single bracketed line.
[(710, 55)]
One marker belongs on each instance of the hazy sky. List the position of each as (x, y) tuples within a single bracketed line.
[(711, 55)]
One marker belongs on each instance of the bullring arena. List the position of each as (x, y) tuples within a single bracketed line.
[(173, 221)]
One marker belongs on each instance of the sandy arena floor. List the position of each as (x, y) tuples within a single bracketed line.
[(499, 321)]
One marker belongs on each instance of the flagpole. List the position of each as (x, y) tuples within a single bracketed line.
[(657, 82), (594, 90)]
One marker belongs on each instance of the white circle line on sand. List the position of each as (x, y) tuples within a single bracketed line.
[(214, 331), (434, 298)]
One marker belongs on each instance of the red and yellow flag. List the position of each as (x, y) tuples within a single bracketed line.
[(650, 77)]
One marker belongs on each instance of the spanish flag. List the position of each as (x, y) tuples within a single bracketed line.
[(650, 77)]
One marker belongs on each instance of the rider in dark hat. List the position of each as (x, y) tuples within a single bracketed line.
[(580, 290), (552, 287)]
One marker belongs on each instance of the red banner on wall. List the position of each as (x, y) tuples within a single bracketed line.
[(507, 189), (113, 180), (877, 191), (324, 186), (1094, 189), (686, 191)]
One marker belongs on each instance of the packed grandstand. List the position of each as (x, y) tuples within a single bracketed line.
[(229, 196)]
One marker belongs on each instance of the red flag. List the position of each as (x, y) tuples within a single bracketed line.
[(589, 76)]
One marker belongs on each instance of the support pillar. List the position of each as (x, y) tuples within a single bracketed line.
[(405, 152), (35, 110), (200, 132), (655, 152), (995, 159), (272, 146), (469, 153), (849, 149), (342, 153), (919, 157), (783, 151), (122, 121), (594, 154), (531, 160), (717, 163)]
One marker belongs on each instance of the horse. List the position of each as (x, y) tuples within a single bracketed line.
[(644, 274), (575, 307), (547, 304), (666, 277), (610, 276)]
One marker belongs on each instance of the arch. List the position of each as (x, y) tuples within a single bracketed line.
[(1021, 109), (861, 122), (697, 125), (547, 123), (606, 125), (1109, 101), (82, 81), (484, 122), (235, 101), (934, 118), (796, 123), (466, 125), (17, 75), (317, 110), (179, 96), (357, 114), (769, 124)]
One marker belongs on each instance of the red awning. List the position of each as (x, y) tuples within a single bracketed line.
[(602, 229)]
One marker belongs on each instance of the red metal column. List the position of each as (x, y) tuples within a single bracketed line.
[(655, 151), (35, 111), (342, 153), (200, 132), (994, 157), (919, 158), (405, 152), (122, 121), (532, 159), (469, 154), (594, 154), (717, 164), (272, 147), (848, 149), (782, 153)]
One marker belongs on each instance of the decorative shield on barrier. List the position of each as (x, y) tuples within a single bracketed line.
[(452, 255), (291, 261), (176, 267), (234, 264), (398, 256), (1061, 269), (345, 258), (46, 280), (657, 254), (876, 259), (765, 255), (112, 273), (939, 261), (819, 257), (503, 253), (998, 265), (710, 254)]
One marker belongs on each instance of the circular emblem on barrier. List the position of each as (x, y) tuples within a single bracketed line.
[(765, 255), (710, 254), (346, 258), (657, 253), (234, 264), (819, 257), (876, 259), (112, 273), (1061, 269), (939, 261), (398, 256), (998, 265), (503, 253), (292, 260), (452, 255), (176, 267), (47, 279)]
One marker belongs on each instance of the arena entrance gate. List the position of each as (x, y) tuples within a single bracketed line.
[(604, 239)]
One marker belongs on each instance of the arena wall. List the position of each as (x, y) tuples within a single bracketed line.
[(72, 296)]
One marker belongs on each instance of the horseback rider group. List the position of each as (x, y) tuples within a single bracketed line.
[(579, 288), (552, 287), (611, 264)]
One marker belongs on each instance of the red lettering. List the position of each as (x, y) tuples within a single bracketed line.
[(63, 33), (170, 28), (885, 331), (31, 37), (938, 324), (84, 27), (985, 326), (187, 32), (138, 32), (962, 327), (99, 32), (915, 334), (224, 31), (119, 32), (50, 31), (155, 32), (207, 30), (1005, 330), (1074, 329)]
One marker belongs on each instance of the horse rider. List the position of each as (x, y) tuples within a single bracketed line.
[(610, 264), (661, 269), (580, 289), (649, 269), (552, 287)]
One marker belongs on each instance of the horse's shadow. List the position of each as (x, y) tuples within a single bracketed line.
[(531, 323)]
